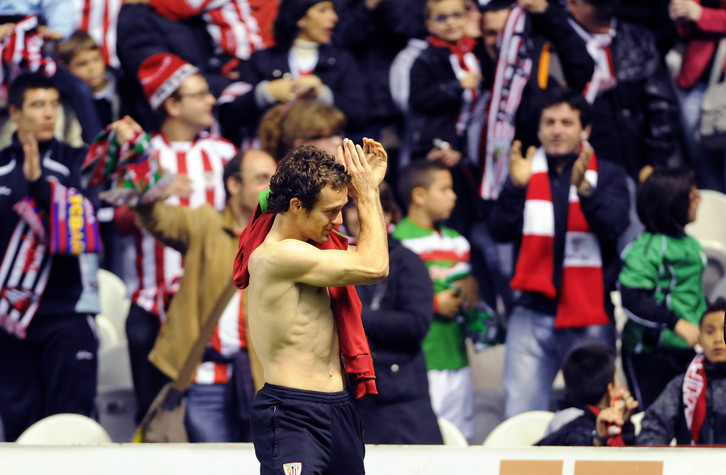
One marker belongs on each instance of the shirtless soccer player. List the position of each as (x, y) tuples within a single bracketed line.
[(303, 311)]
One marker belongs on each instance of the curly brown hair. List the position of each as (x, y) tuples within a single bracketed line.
[(306, 120), (302, 174)]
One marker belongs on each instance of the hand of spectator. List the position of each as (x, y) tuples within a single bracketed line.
[(685, 10), (470, 81), (282, 90), (182, 186), (377, 158), (608, 417), (580, 167), (534, 6), (31, 162), (448, 302), (125, 128), (448, 156), (49, 34), (688, 331), (630, 404), (6, 30), (372, 4), (469, 291), (307, 87), (645, 172), (520, 168)]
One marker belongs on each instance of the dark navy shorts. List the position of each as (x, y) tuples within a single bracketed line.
[(297, 431)]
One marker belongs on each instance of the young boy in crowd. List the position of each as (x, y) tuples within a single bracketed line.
[(692, 408), (82, 57), (444, 84), (597, 408), (427, 190)]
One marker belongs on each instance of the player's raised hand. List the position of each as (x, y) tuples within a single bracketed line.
[(377, 158)]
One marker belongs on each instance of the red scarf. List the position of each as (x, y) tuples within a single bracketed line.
[(463, 61), (694, 396), (344, 301), (580, 301)]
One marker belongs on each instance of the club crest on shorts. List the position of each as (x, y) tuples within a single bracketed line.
[(294, 468)]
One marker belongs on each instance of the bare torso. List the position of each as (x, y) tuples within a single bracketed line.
[(292, 328)]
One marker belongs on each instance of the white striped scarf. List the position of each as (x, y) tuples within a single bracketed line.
[(513, 71)]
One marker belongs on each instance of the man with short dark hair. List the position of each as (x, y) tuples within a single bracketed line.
[(48, 290), (304, 313), (565, 209)]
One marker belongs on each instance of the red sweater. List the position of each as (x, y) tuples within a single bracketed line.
[(702, 40)]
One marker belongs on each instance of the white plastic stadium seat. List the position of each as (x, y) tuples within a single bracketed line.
[(523, 429), (64, 429), (114, 304), (451, 434)]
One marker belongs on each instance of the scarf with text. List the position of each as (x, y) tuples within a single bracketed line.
[(580, 301), (598, 45), (344, 302), (514, 67), (694, 396), (463, 61), (25, 268)]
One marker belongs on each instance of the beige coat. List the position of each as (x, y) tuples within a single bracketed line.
[(209, 244)]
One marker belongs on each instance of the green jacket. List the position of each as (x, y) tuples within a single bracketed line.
[(671, 270)]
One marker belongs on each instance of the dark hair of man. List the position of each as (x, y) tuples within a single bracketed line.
[(496, 5), (16, 92), (77, 42), (571, 97), (419, 173), (663, 201), (719, 305), (588, 369), (233, 168), (302, 174)]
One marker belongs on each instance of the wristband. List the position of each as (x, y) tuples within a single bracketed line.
[(602, 440)]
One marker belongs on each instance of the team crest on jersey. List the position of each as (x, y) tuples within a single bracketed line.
[(294, 468)]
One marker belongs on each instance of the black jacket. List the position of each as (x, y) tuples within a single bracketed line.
[(637, 122), (397, 313), (336, 68), (579, 431), (63, 162), (606, 212), (665, 418)]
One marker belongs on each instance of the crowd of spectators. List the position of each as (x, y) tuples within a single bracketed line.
[(531, 143)]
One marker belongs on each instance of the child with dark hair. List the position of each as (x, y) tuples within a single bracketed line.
[(596, 409), (661, 285), (692, 408)]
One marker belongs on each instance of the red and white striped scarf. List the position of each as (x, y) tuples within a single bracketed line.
[(598, 45), (463, 61), (513, 70), (580, 301), (694, 396), (22, 51), (99, 19), (70, 228)]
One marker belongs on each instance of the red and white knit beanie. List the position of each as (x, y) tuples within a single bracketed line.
[(161, 75)]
